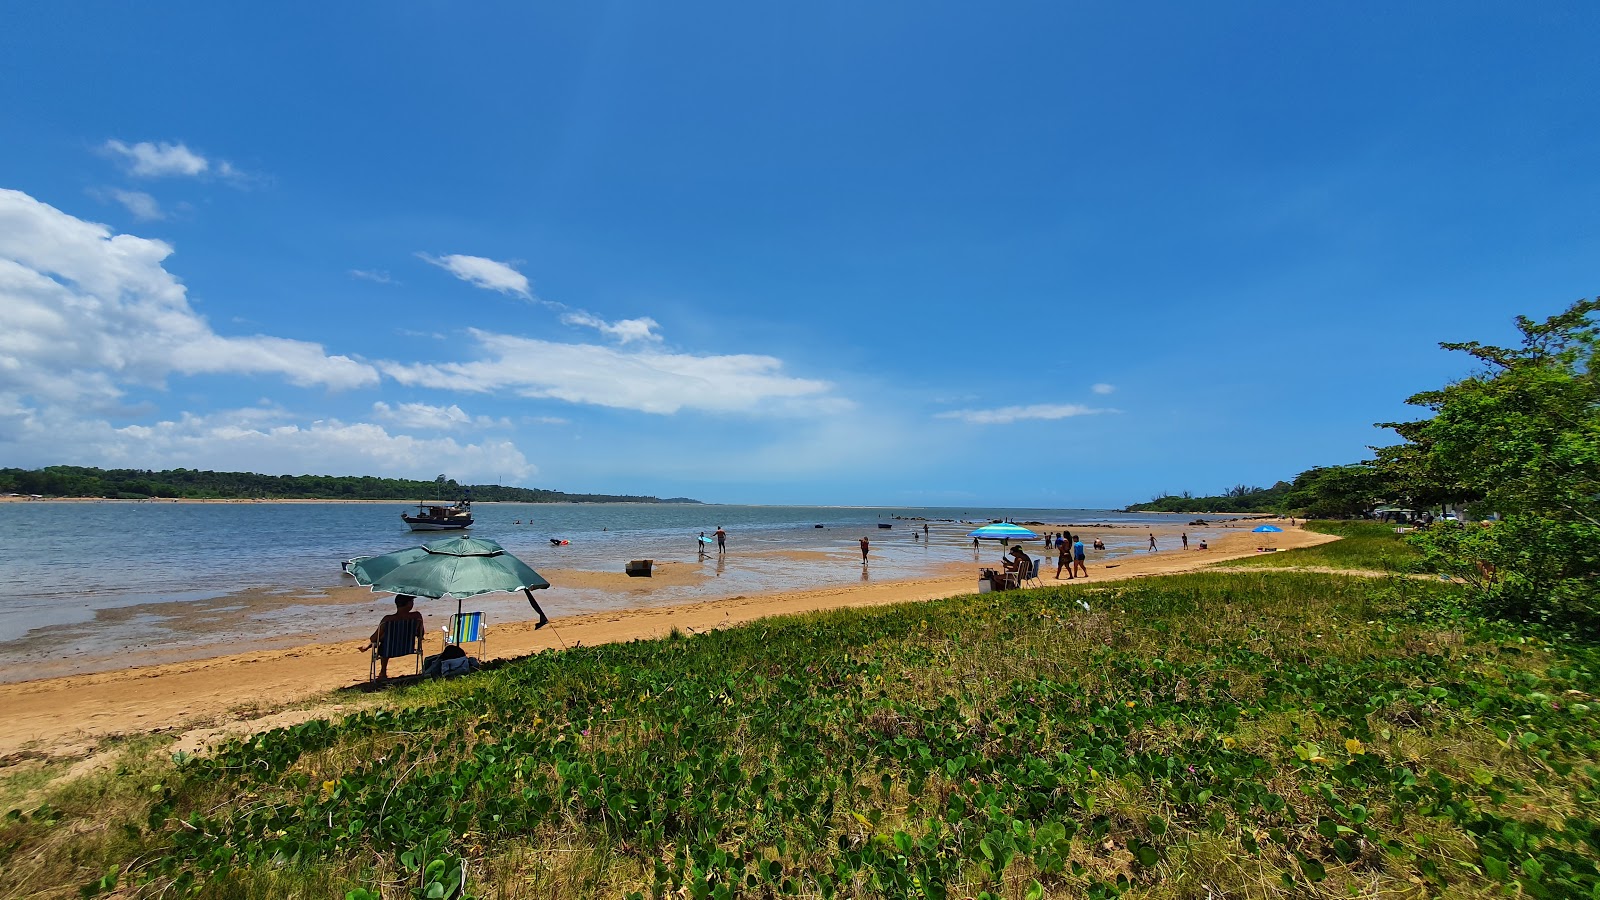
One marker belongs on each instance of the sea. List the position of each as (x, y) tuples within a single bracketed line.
[(96, 585)]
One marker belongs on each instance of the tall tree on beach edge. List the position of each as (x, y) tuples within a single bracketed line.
[(1520, 438)]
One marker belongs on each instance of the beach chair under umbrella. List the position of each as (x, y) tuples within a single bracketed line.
[(459, 567)]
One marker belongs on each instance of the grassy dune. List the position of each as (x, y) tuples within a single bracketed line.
[(1363, 546), (1220, 734)]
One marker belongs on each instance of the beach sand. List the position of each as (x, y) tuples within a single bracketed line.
[(205, 699)]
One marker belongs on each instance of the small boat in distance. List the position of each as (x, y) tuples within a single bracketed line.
[(437, 516)]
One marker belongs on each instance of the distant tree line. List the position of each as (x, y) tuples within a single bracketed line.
[(1325, 492), (199, 484)]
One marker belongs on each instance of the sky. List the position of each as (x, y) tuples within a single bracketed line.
[(913, 254)]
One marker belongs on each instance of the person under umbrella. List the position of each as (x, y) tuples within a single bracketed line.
[(403, 612)]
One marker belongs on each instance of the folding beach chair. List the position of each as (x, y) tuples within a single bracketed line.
[(402, 637), (467, 628), (1028, 571)]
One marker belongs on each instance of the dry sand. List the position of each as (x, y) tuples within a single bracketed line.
[(208, 698)]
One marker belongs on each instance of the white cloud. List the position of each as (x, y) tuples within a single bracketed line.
[(485, 273), (256, 439), (1006, 415), (625, 331), (143, 206), (372, 275), (147, 160), (646, 380), (1103, 388), (84, 311), (422, 416)]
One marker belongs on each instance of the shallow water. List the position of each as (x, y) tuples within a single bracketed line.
[(95, 585)]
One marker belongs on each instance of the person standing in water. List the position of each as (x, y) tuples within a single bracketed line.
[(722, 540), (864, 545)]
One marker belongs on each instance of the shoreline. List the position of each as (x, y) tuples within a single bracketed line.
[(70, 715)]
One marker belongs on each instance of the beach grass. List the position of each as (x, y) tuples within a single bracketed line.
[(1226, 734), (1363, 546)]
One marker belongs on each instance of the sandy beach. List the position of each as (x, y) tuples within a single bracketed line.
[(203, 699)]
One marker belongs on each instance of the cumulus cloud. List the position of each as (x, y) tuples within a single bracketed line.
[(434, 418), (1006, 415), (372, 275), (1103, 388), (482, 272), (257, 439), (84, 311), (625, 331), (647, 380), (163, 160)]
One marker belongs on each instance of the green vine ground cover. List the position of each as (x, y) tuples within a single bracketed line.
[(1217, 734)]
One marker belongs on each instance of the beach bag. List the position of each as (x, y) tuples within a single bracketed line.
[(461, 666)]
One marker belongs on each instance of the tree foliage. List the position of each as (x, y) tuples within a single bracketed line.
[(1520, 438), (133, 484)]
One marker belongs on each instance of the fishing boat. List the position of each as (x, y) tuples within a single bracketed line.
[(439, 516)]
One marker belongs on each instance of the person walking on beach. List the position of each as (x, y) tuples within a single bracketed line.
[(1063, 558), (864, 545), (700, 544), (1152, 542), (1185, 537), (1078, 556), (722, 540)]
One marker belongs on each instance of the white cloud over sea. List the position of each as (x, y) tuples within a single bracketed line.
[(1007, 415), (84, 310), (646, 380), (257, 439)]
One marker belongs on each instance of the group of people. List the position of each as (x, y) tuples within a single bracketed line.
[(722, 542), (1071, 555)]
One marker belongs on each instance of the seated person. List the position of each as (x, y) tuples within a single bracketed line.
[(1017, 566), (1203, 544), (402, 612)]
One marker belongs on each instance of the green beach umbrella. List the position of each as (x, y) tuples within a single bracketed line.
[(458, 567)]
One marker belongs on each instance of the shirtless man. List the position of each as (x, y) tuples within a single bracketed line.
[(402, 612)]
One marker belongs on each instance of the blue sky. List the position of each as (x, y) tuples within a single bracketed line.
[(894, 253)]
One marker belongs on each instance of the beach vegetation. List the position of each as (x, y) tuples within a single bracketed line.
[(1229, 733), (1363, 546), (199, 484), (1519, 440)]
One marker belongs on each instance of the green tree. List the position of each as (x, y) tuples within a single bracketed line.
[(1520, 438), (1335, 492)]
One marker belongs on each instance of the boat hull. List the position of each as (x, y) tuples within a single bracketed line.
[(428, 525)]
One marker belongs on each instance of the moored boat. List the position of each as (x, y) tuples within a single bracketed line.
[(439, 516)]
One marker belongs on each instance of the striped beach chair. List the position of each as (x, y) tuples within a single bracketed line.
[(468, 628), (400, 638)]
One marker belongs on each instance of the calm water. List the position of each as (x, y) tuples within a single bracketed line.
[(89, 583)]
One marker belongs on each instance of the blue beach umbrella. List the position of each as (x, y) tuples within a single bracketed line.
[(1002, 531), (1273, 529)]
